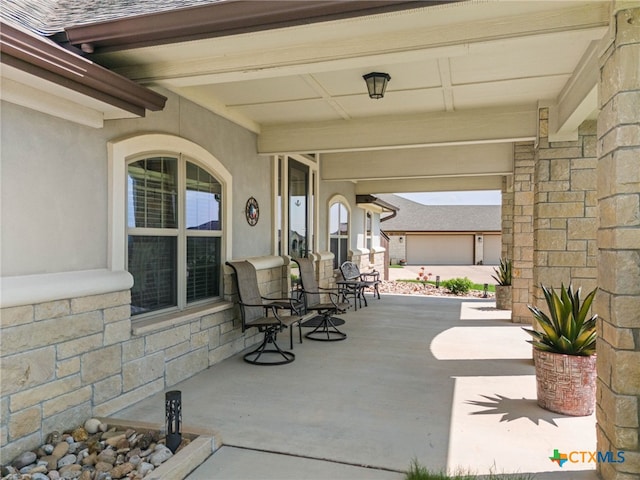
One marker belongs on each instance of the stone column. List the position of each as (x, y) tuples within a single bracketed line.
[(618, 300), (506, 213), (523, 183), (565, 211)]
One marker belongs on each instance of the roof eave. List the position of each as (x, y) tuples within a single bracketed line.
[(375, 204), (221, 18), (40, 57)]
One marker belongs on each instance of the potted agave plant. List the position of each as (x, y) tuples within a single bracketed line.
[(503, 286), (564, 352)]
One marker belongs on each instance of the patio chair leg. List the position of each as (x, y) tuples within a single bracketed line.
[(291, 334), (326, 330), (253, 356)]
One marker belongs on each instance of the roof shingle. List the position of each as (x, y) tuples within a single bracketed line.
[(48, 17), (416, 217)]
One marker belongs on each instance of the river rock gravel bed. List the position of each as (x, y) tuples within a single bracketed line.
[(414, 288), (93, 451)]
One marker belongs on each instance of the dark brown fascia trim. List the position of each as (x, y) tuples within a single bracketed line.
[(222, 18), (376, 201), (44, 59)]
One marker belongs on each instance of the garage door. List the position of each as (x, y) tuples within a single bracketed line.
[(492, 249), (440, 249)]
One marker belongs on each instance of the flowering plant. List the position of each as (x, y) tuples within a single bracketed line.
[(423, 277)]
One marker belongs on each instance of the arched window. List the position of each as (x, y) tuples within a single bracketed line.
[(168, 222), (339, 232)]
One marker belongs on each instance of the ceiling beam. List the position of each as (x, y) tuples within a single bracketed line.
[(578, 99), (487, 125), (487, 159), (449, 184)]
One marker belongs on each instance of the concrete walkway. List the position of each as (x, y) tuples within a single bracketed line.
[(448, 382)]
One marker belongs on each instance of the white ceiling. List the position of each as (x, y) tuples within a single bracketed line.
[(448, 64)]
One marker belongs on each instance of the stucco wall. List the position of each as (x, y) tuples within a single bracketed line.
[(54, 184), (66, 316), (328, 190)]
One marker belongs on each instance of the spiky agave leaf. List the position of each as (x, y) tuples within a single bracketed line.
[(566, 329)]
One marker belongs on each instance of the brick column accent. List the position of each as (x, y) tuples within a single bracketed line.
[(565, 211), (618, 301), (523, 183)]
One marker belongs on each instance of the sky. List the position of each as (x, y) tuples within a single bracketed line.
[(483, 197)]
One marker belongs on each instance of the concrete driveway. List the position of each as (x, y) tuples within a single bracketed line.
[(446, 381)]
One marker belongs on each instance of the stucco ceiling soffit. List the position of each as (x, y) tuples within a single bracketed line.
[(210, 102), (490, 125)]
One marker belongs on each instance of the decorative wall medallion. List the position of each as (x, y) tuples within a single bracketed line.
[(252, 211)]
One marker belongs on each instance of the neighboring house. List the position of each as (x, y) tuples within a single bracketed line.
[(443, 234)]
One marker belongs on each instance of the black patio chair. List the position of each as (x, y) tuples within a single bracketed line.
[(264, 314), (326, 329), (361, 281)]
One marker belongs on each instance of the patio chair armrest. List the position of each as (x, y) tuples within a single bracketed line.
[(374, 275), (285, 302), (266, 307)]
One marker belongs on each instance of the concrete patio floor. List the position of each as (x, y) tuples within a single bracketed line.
[(446, 381)]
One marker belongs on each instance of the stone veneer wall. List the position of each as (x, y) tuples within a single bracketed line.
[(565, 212), (523, 185), (325, 274), (364, 261), (506, 213), (65, 360), (618, 299)]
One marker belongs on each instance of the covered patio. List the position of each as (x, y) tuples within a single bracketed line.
[(446, 381)]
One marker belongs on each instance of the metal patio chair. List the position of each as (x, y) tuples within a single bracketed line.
[(326, 329), (264, 314), (361, 281)]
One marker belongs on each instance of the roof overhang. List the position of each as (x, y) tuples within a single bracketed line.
[(374, 204), (39, 57), (229, 17)]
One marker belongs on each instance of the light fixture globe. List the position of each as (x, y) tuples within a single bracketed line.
[(376, 83)]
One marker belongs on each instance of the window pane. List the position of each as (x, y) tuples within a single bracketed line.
[(152, 193), (152, 262), (203, 268), (279, 208), (298, 193), (203, 199), (343, 251), (338, 232)]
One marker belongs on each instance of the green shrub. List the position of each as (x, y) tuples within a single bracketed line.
[(458, 286)]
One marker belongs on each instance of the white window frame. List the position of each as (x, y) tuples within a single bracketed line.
[(339, 199), (120, 152), (312, 204)]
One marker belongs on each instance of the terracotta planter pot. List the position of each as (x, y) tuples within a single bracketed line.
[(503, 297), (566, 384)]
